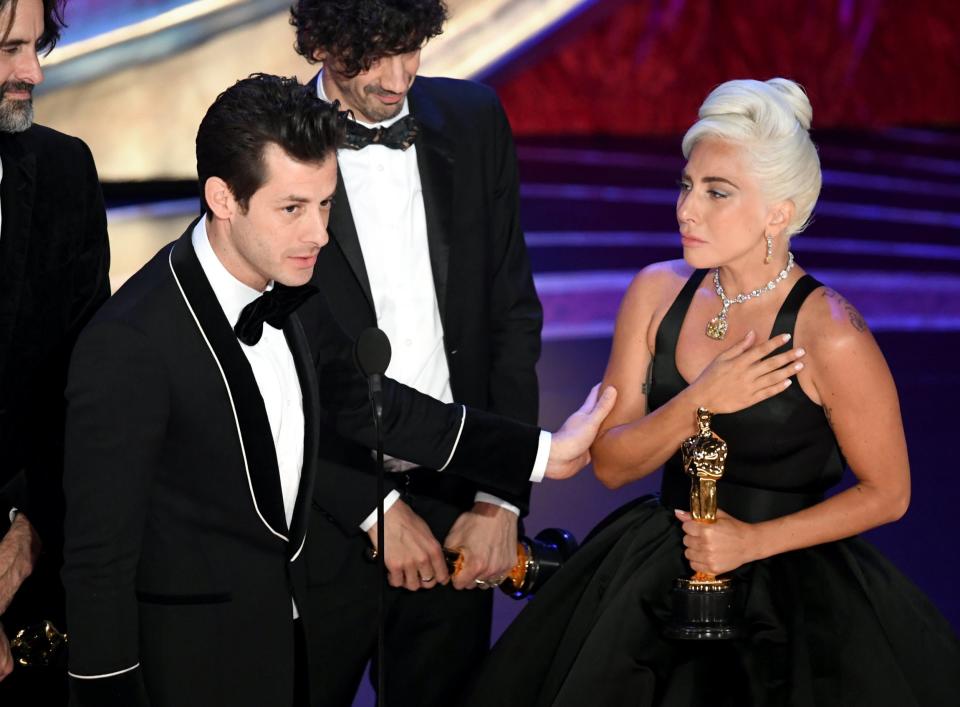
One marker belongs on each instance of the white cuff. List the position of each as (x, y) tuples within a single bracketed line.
[(388, 501), (13, 513), (543, 456), (482, 497)]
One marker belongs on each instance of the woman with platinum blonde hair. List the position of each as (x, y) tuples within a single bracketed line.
[(798, 389)]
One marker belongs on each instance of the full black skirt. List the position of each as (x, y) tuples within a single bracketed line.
[(835, 624)]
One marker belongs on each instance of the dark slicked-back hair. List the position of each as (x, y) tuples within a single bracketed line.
[(52, 22), (258, 111), (357, 32)]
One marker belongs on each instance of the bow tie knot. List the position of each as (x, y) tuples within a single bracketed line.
[(273, 308), (398, 136)]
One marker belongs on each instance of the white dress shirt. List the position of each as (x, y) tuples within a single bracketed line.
[(273, 368), (386, 202)]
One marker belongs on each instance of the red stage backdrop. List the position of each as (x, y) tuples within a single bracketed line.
[(644, 66)]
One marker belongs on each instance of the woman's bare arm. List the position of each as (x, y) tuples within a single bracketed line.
[(849, 375)]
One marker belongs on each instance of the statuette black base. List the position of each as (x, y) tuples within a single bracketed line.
[(704, 611)]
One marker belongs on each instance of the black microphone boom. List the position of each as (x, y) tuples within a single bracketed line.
[(371, 353)]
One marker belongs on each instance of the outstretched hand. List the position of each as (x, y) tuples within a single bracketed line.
[(741, 376), (570, 447)]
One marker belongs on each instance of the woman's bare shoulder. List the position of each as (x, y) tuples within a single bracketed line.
[(662, 280), (830, 324)]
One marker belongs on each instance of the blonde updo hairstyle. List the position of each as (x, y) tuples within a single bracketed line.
[(771, 121)]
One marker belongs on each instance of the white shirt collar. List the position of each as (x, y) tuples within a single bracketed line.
[(232, 294), (404, 111)]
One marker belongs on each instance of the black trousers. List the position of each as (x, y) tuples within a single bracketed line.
[(435, 639)]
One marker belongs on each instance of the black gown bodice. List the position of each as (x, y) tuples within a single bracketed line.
[(782, 453)]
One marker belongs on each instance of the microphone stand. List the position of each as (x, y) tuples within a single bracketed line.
[(371, 354), (374, 384)]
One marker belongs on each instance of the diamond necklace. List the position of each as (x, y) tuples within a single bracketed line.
[(717, 327)]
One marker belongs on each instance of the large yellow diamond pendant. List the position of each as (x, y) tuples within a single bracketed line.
[(717, 327)]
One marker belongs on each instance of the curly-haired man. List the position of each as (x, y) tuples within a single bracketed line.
[(426, 244)]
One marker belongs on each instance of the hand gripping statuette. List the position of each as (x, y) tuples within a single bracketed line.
[(704, 606), (537, 561)]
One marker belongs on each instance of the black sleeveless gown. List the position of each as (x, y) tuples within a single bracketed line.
[(831, 625)]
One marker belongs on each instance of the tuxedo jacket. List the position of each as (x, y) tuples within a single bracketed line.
[(481, 275), (179, 565), (54, 260)]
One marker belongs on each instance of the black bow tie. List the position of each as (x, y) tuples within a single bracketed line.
[(398, 136), (272, 307)]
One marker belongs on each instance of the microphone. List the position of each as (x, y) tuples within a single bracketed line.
[(371, 353)]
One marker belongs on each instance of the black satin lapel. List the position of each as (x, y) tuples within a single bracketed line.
[(17, 192), (258, 448), (303, 359), (435, 162), (343, 230)]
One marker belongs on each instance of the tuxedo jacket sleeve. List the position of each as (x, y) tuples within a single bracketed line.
[(117, 422), (57, 259), (515, 312), (482, 447), (516, 315)]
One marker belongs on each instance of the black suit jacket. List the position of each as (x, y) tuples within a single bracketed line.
[(54, 260), (481, 274), (179, 566)]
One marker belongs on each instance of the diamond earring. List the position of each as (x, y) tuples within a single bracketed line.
[(766, 261)]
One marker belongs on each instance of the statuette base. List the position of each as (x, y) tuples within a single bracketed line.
[(704, 610)]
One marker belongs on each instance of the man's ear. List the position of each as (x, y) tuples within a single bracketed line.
[(320, 55), (219, 198)]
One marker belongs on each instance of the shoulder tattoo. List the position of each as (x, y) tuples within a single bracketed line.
[(856, 319)]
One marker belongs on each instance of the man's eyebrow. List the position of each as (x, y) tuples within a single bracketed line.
[(13, 43)]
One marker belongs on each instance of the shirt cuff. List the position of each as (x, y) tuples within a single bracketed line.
[(543, 456), (482, 497), (13, 513), (388, 501)]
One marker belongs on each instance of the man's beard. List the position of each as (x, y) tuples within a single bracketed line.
[(15, 115)]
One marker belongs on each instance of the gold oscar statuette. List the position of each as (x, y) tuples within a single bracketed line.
[(537, 561), (38, 645), (704, 606)]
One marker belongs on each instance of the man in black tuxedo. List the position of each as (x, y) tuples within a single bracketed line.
[(194, 408), (54, 259), (426, 244)]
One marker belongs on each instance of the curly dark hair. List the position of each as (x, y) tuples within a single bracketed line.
[(52, 22), (258, 111), (358, 32)]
